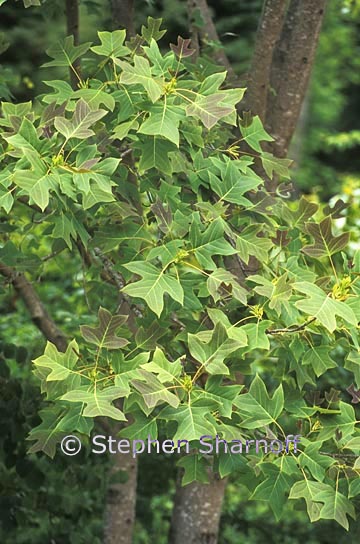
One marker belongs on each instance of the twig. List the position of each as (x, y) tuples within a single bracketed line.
[(291, 330)]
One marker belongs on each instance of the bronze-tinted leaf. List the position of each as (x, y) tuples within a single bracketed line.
[(182, 49), (355, 393), (325, 243), (104, 335)]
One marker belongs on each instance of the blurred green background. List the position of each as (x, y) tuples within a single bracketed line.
[(46, 501)]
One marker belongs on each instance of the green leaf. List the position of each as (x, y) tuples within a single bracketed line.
[(257, 337), (273, 164), (73, 420), (318, 357), (153, 285), (209, 109), (113, 236), (49, 433), (333, 424), (356, 261), (153, 391), (97, 194), (233, 332), (223, 395), (195, 469), (314, 461), (167, 371), (98, 402), (248, 243), (336, 506), (320, 305), (26, 138), (155, 154), (254, 134), (79, 125), (64, 229), (152, 30), (212, 83), (278, 291), (163, 121), (304, 211), (60, 364), (192, 422), (325, 244), (63, 92), (211, 348), (209, 243), (127, 370), (352, 363), (66, 53), (112, 44), (95, 97), (122, 130), (141, 429), (147, 337), (309, 490), (29, 3), (141, 74), (6, 198), (257, 407), (104, 335), (230, 463), (233, 183), (37, 185), (222, 283), (274, 488)]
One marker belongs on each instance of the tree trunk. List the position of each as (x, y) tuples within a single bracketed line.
[(197, 511), (258, 80), (296, 147), (123, 15), (194, 32), (121, 501), (291, 67), (72, 29)]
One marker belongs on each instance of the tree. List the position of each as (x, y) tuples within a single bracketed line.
[(138, 171)]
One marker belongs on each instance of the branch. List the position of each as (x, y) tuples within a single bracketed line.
[(208, 32), (36, 309), (340, 455), (258, 80), (117, 279), (291, 330), (290, 71)]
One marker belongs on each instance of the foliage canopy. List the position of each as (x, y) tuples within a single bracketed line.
[(139, 170)]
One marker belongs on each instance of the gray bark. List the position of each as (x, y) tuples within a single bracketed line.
[(270, 25), (122, 12), (194, 33), (121, 502), (197, 511), (291, 68)]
